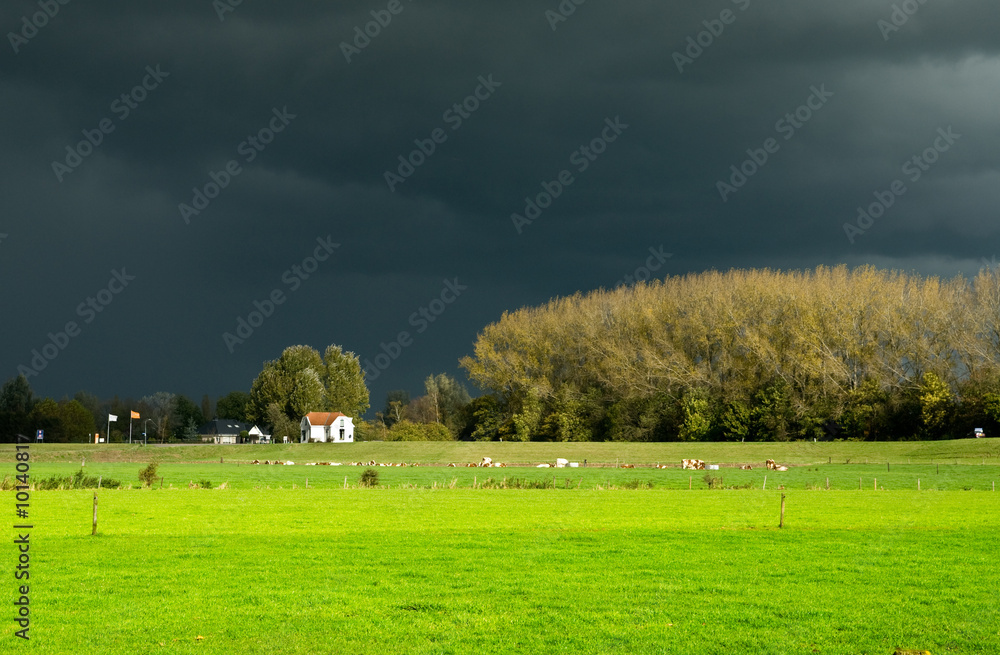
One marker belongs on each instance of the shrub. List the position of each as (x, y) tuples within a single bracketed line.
[(77, 481), (369, 478), (147, 476), (712, 482), (205, 484), (409, 431)]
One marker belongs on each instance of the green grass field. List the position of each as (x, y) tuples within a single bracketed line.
[(411, 567)]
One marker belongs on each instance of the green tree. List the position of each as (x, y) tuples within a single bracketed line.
[(448, 398), (485, 419), (697, 417), (344, 382), (737, 421), (281, 425), (300, 381), (185, 413), (190, 431), (77, 422), (16, 403), (936, 405), (234, 405), (395, 405), (307, 394)]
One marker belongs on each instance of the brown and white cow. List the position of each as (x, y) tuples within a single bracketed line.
[(696, 464), (746, 467)]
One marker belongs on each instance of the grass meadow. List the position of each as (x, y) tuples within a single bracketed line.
[(425, 563)]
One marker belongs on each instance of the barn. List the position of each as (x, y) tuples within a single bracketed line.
[(327, 427)]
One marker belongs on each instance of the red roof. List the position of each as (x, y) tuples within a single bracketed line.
[(323, 418)]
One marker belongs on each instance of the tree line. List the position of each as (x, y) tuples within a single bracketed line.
[(164, 416), (747, 355)]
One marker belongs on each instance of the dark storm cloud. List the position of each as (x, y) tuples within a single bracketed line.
[(551, 92)]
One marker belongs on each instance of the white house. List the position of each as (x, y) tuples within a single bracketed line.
[(257, 436), (327, 427)]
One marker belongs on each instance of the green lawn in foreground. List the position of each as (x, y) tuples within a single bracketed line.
[(494, 571)]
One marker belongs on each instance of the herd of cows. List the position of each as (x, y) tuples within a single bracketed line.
[(487, 462), (699, 465)]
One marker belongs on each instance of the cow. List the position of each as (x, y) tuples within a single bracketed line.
[(487, 462), (628, 466), (544, 466), (746, 467), (451, 465), (773, 466), (256, 461), (696, 464)]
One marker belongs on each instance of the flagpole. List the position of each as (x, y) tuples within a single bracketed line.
[(130, 427), (109, 430)]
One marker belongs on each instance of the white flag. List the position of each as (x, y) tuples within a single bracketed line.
[(112, 417)]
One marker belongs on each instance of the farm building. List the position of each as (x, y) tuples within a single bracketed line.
[(227, 431), (223, 431), (327, 427)]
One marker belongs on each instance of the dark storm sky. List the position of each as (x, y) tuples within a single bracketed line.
[(847, 102)]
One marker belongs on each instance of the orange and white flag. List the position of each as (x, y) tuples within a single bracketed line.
[(135, 414)]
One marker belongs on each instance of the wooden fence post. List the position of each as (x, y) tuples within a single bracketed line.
[(828, 484), (859, 484), (764, 488), (918, 484), (94, 531), (781, 523), (874, 484)]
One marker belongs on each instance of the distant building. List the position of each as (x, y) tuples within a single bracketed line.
[(257, 436), (227, 431), (327, 427)]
